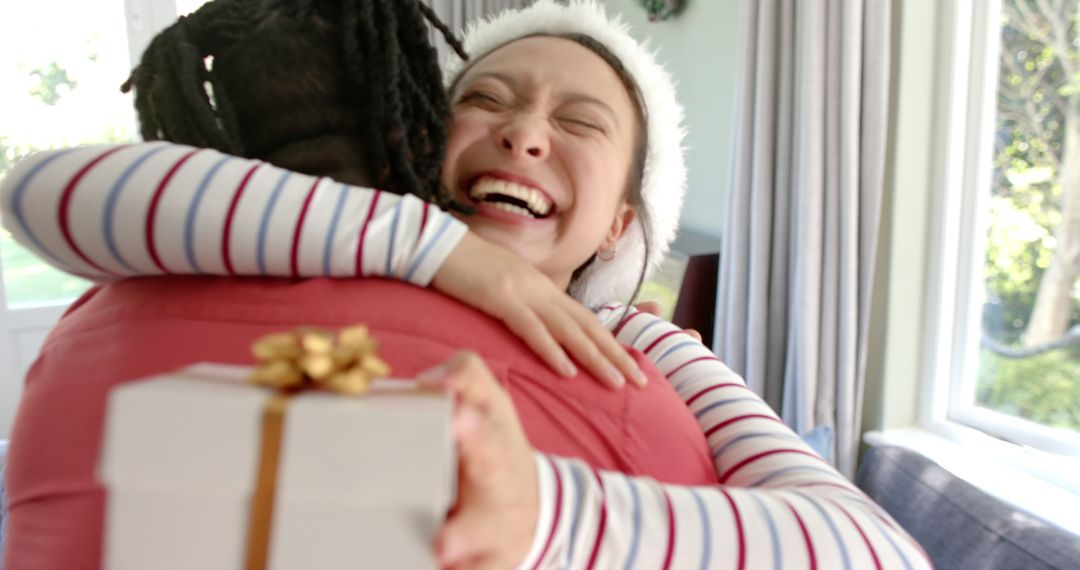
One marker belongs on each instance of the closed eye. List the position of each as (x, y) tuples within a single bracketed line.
[(479, 97), (585, 124)]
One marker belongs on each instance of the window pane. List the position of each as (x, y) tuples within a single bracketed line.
[(61, 65), (1029, 364)]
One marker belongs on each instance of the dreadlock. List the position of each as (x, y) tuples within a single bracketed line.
[(345, 88)]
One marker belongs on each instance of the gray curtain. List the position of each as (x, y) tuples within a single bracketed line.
[(803, 219), (457, 13)]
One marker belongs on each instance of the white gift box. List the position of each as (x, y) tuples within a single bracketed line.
[(362, 482)]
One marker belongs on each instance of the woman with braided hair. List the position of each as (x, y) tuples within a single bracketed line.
[(566, 140)]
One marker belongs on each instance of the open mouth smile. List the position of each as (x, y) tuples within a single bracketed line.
[(512, 197)]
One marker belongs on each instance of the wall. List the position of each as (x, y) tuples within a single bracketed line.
[(699, 46), (895, 366)]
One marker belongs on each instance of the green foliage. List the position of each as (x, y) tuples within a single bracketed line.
[(53, 83), (1038, 96), (1043, 388), (1034, 97), (28, 281), (12, 152)]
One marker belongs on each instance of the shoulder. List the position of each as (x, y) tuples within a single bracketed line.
[(613, 313)]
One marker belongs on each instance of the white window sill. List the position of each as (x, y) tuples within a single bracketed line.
[(1045, 486)]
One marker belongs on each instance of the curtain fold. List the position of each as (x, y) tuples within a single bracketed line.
[(804, 213)]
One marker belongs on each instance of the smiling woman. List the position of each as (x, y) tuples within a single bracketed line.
[(565, 144)]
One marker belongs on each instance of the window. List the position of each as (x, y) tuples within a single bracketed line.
[(61, 66), (1011, 305), (61, 78)]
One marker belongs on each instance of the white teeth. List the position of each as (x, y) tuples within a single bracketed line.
[(537, 201), (512, 208)]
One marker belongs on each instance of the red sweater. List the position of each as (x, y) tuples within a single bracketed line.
[(140, 327)]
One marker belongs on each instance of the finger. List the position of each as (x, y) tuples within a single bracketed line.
[(487, 563), (651, 307), (478, 455), (606, 343), (613, 350), (582, 346), (462, 539), (693, 333), (472, 383), (474, 539), (538, 337), (483, 407)]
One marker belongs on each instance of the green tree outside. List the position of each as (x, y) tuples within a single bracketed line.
[(1033, 245), (27, 279)]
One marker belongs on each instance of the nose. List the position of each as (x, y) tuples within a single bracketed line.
[(525, 136)]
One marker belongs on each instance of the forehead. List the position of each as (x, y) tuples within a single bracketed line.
[(552, 62)]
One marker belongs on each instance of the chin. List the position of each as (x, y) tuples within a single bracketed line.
[(494, 234)]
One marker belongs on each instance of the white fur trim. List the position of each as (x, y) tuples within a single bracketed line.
[(664, 182)]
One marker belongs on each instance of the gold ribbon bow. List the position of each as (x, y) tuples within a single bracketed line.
[(290, 362), (312, 358)]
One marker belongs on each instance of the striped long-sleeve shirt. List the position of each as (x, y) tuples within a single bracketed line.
[(778, 504), (109, 212)]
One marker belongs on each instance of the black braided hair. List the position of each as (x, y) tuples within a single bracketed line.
[(350, 89)]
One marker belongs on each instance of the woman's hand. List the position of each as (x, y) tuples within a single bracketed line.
[(493, 523), (501, 284)]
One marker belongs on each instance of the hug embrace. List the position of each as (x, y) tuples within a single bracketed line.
[(491, 220)]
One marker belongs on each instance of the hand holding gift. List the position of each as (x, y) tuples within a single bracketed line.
[(493, 523)]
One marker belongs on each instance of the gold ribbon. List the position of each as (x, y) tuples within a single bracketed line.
[(293, 362), (314, 358)]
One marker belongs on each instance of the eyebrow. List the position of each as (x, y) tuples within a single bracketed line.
[(571, 98)]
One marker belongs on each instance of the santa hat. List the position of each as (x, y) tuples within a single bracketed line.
[(664, 182)]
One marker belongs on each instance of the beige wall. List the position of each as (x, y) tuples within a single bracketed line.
[(699, 47), (896, 369)]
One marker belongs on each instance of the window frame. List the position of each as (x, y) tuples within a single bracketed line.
[(965, 107), (145, 18)]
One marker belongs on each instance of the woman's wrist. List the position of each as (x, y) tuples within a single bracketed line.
[(545, 511)]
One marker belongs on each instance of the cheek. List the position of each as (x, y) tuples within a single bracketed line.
[(467, 124), (601, 179), (462, 133), (458, 136)]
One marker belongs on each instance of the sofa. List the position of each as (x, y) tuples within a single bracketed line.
[(959, 526)]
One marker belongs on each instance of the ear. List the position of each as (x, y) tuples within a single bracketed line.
[(623, 218)]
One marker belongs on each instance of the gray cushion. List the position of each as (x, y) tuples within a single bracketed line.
[(960, 526)]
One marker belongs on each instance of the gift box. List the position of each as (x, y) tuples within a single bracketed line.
[(192, 481)]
